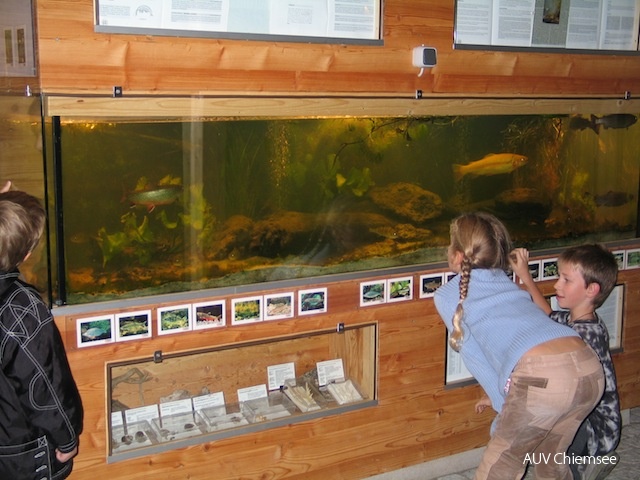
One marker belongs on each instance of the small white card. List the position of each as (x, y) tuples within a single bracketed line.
[(116, 419), (330, 371), (176, 407), (251, 393), (140, 414), (279, 373), (208, 401)]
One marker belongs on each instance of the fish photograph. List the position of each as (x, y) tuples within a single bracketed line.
[(151, 207)]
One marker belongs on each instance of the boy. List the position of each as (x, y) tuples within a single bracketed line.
[(587, 275), (40, 407)]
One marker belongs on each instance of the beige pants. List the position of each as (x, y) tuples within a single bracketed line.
[(549, 397)]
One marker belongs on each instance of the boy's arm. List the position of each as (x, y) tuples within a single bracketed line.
[(49, 397), (519, 260)]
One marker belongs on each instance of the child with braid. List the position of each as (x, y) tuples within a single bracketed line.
[(539, 375)]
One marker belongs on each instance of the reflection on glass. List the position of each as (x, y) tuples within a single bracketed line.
[(21, 162), (156, 207)]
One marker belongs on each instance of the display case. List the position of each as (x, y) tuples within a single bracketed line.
[(184, 398)]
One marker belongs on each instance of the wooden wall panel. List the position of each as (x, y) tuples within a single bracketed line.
[(417, 418), (75, 59)]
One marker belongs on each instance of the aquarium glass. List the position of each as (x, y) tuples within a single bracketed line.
[(168, 206), (21, 162)]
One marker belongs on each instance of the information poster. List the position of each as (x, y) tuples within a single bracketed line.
[(563, 24), (340, 19), (17, 52)]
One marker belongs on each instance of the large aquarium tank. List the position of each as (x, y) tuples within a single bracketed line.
[(145, 207)]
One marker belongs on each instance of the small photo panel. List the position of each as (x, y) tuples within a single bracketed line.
[(400, 289), (429, 284), (535, 269), (133, 325), (209, 315), (278, 306), (313, 301), (549, 268), (246, 310), (373, 293), (174, 319), (95, 330), (633, 258), (448, 276), (620, 258)]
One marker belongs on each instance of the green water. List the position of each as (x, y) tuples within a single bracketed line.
[(170, 206)]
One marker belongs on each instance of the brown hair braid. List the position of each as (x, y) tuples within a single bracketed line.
[(455, 340), (484, 243)]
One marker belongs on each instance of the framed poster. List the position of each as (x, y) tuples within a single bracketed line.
[(312, 301), (246, 310), (174, 319), (17, 49), (93, 331), (278, 306), (133, 325), (209, 315), (430, 283), (576, 25), (400, 289), (456, 371), (373, 292), (326, 21)]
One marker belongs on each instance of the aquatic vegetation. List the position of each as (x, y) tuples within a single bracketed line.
[(157, 233), (357, 182), (215, 203)]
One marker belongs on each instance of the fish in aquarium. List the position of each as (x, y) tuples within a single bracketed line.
[(614, 120), (150, 199), (612, 199), (491, 164), (167, 191)]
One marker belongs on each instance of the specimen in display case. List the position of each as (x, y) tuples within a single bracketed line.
[(180, 399)]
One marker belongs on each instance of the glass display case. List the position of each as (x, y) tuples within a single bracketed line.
[(179, 399), (157, 205), (21, 162)]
